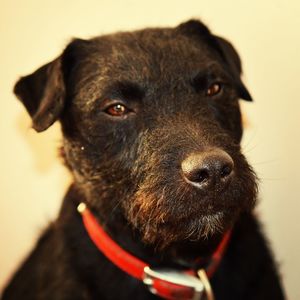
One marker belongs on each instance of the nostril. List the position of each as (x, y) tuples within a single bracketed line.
[(203, 175), (207, 168), (226, 170), (199, 176)]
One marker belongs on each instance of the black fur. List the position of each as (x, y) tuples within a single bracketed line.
[(128, 168)]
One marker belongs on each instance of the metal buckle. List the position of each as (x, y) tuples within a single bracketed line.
[(174, 277)]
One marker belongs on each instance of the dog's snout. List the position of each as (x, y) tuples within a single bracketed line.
[(207, 168)]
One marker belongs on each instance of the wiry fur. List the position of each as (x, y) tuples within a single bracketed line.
[(128, 169), (164, 207)]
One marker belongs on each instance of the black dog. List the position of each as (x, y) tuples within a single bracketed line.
[(151, 126)]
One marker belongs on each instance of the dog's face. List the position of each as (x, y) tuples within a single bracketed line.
[(151, 126)]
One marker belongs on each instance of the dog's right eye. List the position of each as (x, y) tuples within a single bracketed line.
[(213, 89), (117, 110)]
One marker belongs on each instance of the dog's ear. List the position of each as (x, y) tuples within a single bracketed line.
[(225, 50), (233, 61), (43, 92)]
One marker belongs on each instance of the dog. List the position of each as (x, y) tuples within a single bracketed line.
[(161, 205)]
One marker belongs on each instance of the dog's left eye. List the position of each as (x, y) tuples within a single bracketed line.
[(117, 110), (213, 89)]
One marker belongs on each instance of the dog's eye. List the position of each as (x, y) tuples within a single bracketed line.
[(213, 89), (117, 110)]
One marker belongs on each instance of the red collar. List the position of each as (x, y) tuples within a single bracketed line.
[(168, 284)]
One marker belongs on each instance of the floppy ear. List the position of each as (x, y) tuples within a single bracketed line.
[(198, 30), (43, 94), (233, 62)]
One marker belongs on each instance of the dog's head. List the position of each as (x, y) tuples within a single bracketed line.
[(152, 127)]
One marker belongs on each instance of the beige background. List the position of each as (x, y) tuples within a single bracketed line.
[(266, 33)]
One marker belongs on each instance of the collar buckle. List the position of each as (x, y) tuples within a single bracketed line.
[(172, 285)]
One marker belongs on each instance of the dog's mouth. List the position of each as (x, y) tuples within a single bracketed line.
[(167, 209), (165, 234), (204, 226), (181, 213), (162, 221)]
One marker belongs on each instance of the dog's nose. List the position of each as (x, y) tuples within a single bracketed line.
[(211, 167)]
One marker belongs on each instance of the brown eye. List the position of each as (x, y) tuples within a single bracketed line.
[(117, 110), (214, 89)]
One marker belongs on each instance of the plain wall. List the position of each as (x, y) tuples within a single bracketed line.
[(266, 34)]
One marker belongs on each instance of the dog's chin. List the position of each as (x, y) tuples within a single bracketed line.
[(198, 229), (179, 214)]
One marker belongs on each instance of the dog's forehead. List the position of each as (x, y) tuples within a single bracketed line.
[(148, 54), (153, 51), (145, 57)]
